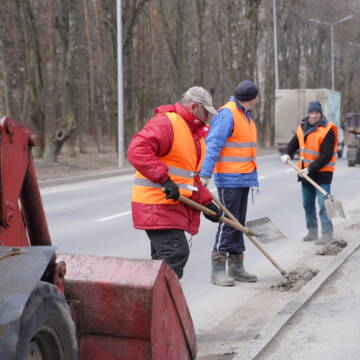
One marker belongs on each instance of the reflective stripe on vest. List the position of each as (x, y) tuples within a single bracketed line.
[(313, 152), (310, 149), (147, 182), (181, 162), (239, 152)]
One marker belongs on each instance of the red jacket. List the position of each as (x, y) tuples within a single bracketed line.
[(153, 141)]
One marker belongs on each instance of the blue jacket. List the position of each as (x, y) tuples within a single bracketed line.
[(221, 129)]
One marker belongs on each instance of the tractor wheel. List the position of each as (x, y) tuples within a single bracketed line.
[(47, 331)]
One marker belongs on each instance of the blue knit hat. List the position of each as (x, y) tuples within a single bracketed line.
[(314, 106), (246, 90)]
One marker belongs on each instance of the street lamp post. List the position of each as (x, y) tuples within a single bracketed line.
[(120, 88), (332, 25)]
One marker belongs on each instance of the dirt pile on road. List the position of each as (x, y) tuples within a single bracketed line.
[(355, 226), (333, 248), (296, 279)]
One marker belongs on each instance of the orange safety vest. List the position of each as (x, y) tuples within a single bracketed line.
[(310, 148), (239, 153), (181, 161)]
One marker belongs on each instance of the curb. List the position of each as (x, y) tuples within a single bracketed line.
[(100, 175), (88, 177), (278, 322)]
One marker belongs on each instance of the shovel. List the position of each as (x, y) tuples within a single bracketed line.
[(333, 207), (233, 222)]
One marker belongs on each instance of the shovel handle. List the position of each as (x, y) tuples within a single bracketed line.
[(233, 223), (251, 237), (309, 179), (207, 211), (223, 208)]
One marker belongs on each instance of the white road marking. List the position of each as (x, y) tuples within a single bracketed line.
[(113, 216)]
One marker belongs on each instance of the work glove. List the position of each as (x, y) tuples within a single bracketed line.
[(304, 171), (205, 180), (285, 158), (214, 208), (171, 190)]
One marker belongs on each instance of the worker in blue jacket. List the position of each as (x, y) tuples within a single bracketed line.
[(231, 155)]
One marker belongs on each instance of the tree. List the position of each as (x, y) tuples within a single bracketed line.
[(65, 26)]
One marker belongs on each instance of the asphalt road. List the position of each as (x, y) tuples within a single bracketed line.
[(94, 218)]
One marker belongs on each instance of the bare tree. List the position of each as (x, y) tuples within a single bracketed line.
[(65, 27)]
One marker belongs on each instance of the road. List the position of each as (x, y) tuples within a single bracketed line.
[(94, 218)]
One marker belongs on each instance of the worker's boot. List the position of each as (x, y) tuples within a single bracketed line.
[(218, 270), (325, 239), (237, 270), (310, 236)]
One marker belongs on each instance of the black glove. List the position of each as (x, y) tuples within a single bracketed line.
[(171, 190), (215, 209)]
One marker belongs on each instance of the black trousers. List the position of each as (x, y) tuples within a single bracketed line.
[(171, 246), (227, 238)]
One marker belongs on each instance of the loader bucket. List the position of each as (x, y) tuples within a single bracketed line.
[(128, 309)]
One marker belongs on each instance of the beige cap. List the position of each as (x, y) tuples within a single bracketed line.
[(200, 96)]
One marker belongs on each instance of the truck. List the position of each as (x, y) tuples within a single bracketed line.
[(72, 306), (352, 127), (291, 108)]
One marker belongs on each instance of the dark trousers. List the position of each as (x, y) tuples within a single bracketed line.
[(171, 246), (227, 238)]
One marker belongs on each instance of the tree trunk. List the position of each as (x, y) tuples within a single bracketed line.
[(67, 126)]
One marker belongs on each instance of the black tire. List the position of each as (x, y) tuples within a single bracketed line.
[(351, 163), (47, 331)]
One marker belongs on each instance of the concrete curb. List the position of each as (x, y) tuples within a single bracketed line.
[(88, 177), (100, 175), (277, 323)]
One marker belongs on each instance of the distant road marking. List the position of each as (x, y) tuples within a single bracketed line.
[(129, 212), (113, 216)]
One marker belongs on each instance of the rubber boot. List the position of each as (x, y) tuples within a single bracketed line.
[(325, 239), (237, 270), (310, 236), (218, 270)]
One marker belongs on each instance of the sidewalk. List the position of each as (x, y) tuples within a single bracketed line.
[(261, 312), (328, 324)]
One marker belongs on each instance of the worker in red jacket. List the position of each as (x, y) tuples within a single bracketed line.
[(167, 154)]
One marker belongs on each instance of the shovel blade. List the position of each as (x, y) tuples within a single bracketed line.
[(265, 230), (334, 209)]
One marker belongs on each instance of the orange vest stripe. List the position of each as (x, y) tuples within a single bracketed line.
[(239, 153), (181, 161), (310, 149)]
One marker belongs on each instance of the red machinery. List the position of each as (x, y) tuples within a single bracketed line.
[(74, 306)]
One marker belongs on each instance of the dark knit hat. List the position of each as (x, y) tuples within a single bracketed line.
[(314, 106), (246, 91)]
